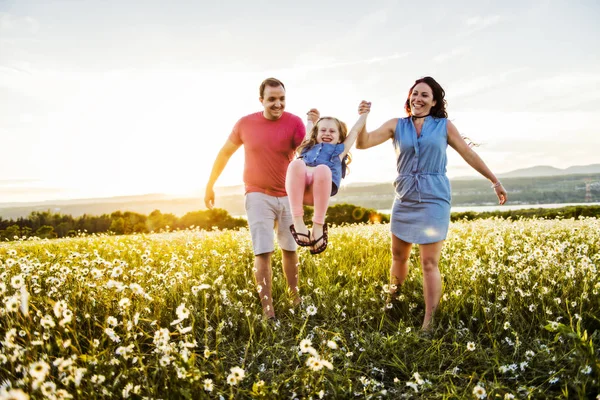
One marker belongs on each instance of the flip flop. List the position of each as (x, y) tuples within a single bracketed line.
[(296, 236), (321, 248)]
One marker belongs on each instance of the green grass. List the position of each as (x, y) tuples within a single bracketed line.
[(519, 317)]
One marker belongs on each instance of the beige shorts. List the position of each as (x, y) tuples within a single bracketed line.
[(265, 215)]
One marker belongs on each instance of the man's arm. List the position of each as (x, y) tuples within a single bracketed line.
[(221, 161)]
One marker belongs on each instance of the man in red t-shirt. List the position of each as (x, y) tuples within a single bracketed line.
[(270, 139)]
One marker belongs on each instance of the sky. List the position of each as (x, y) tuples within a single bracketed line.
[(102, 98)]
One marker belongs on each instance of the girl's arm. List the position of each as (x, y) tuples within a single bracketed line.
[(456, 141), (312, 116), (364, 108)]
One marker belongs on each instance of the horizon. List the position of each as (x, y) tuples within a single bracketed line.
[(226, 190), (100, 102)]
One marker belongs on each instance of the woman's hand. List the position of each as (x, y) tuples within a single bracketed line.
[(364, 107), (501, 193)]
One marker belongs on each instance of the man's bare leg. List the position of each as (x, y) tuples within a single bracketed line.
[(263, 275), (290, 270)]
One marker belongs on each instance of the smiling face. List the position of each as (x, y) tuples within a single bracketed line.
[(328, 131), (273, 101), (421, 100)]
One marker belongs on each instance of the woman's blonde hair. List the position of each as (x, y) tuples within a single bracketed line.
[(312, 140)]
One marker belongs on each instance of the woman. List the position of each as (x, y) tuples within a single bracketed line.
[(421, 210)]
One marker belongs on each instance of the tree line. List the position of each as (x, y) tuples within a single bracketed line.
[(528, 213), (51, 225), (55, 225)]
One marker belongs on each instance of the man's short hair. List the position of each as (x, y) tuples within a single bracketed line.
[(272, 82)]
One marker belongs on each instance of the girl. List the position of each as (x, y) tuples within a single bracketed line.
[(316, 174)]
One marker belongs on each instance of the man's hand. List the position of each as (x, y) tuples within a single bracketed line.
[(209, 198), (313, 115)]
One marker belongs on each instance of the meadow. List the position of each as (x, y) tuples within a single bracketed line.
[(176, 315)]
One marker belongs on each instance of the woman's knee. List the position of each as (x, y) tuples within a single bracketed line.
[(429, 265), (400, 250), (400, 255)]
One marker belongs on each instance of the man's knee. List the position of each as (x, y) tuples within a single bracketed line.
[(263, 258), (289, 256)]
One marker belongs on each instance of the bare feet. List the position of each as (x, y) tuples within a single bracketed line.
[(428, 321), (296, 300), (268, 312)]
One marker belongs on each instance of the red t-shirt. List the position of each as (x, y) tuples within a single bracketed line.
[(268, 148)]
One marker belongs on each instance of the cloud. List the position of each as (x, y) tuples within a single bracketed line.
[(564, 82), (14, 69), (482, 22), (11, 23), (482, 83), (573, 91), (340, 64), (451, 54), (478, 23), (18, 182)]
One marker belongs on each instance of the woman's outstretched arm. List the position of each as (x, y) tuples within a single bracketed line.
[(456, 141), (378, 136)]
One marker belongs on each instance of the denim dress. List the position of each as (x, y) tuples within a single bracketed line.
[(328, 154), (421, 209)]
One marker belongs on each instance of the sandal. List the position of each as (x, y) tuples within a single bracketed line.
[(323, 245), (296, 236)]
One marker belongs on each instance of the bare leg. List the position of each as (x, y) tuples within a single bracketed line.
[(432, 280), (321, 189), (290, 270), (263, 275), (399, 268), (295, 186)]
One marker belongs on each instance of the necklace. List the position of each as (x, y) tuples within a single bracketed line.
[(414, 118)]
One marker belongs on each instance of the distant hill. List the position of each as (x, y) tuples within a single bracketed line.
[(70, 202), (229, 198), (535, 185), (543, 170)]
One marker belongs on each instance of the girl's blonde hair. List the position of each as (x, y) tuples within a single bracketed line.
[(312, 140)]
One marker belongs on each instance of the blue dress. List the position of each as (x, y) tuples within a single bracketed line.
[(328, 154), (421, 210)]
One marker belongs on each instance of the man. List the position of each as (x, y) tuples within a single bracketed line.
[(270, 138)]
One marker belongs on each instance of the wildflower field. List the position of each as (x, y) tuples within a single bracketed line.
[(176, 315)]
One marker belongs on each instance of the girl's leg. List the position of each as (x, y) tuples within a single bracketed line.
[(321, 189), (295, 185), (399, 268), (432, 280)]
